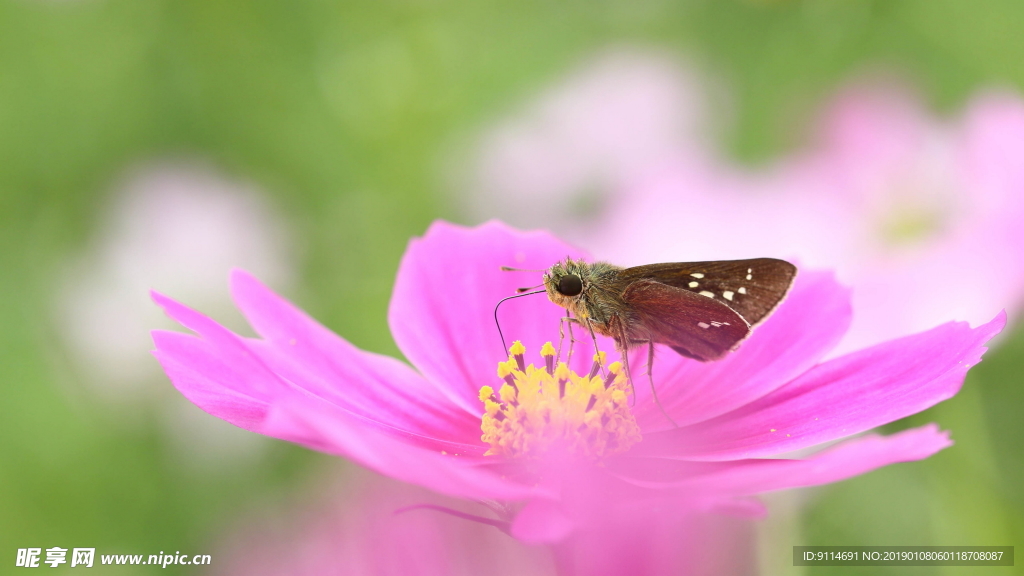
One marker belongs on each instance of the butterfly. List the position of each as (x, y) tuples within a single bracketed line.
[(702, 310)]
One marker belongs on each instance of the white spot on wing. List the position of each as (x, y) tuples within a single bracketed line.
[(750, 277), (742, 290), (697, 275), (703, 325), (706, 293), (693, 284), (727, 295)]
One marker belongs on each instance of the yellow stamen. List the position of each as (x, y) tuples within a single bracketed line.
[(537, 408), (548, 353), (486, 393), (598, 362)]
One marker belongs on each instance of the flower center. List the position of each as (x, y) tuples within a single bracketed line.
[(537, 408), (905, 226)]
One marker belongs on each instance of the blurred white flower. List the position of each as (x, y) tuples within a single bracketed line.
[(554, 162), (178, 228)]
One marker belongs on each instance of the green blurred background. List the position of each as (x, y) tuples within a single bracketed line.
[(345, 115)]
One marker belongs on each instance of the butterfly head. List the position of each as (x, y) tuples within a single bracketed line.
[(566, 281)]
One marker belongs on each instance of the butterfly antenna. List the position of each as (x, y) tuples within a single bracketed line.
[(498, 324), (521, 290), (511, 269)]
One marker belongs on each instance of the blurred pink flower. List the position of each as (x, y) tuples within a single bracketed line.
[(923, 218), (349, 527), (300, 382)]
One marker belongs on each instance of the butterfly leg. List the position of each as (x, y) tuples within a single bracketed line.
[(569, 321), (593, 337), (624, 354), (561, 339), (650, 377), (622, 347)]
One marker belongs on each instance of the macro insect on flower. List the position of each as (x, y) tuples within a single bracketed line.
[(552, 449), (701, 310)]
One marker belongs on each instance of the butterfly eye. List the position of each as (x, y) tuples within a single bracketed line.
[(570, 285)]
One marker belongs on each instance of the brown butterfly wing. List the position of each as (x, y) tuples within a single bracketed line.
[(753, 288), (693, 325)]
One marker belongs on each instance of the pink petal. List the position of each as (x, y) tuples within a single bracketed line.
[(179, 353), (218, 370), (381, 388), (746, 477), (227, 376), (660, 541), (322, 426), (541, 521), (346, 525), (841, 397), (220, 355), (738, 507), (847, 460), (442, 308), (806, 326)]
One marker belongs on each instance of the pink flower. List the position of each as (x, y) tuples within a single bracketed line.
[(921, 217), (302, 383)]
